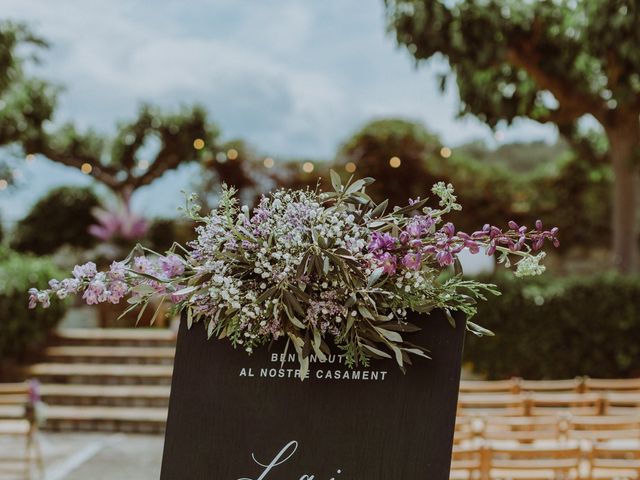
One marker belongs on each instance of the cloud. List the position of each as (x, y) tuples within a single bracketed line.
[(293, 78)]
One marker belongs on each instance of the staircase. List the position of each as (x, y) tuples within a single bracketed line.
[(106, 379)]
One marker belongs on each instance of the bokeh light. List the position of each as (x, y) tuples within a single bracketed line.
[(86, 168), (445, 152), (350, 167), (268, 162), (307, 167), (232, 154), (395, 162), (198, 144)]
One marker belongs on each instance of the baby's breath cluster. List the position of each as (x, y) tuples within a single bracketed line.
[(322, 270)]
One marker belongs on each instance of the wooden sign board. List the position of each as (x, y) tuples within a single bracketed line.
[(239, 417)]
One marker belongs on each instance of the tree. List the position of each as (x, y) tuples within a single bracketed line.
[(47, 227), (396, 153), (141, 150), (550, 62)]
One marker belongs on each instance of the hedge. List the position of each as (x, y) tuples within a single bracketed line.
[(558, 328), (61, 217), (20, 328)]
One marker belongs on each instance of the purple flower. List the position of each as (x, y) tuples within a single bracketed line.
[(117, 271), (412, 261), (381, 241), (172, 265), (88, 270), (419, 225), (33, 298), (449, 230), (144, 265), (117, 290), (388, 263), (444, 258)]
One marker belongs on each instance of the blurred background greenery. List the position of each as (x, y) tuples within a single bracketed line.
[(572, 64)]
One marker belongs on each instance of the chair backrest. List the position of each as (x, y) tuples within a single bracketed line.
[(524, 429), (491, 404), (621, 403), (568, 386), (611, 384), (489, 386), (563, 460), (614, 459), (467, 459), (565, 403), (16, 400), (603, 428), (464, 430)]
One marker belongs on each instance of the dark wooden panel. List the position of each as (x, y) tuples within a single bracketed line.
[(390, 426)]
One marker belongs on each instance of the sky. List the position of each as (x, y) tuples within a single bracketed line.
[(294, 78)]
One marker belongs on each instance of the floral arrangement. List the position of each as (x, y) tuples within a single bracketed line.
[(317, 268)]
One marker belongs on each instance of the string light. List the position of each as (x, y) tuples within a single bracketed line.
[(350, 167), (445, 152), (268, 162), (394, 162), (3, 184), (307, 167), (86, 168), (198, 144), (232, 154)]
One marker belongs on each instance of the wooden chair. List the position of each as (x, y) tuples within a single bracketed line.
[(533, 463), (614, 462), (466, 463), (17, 419), (491, 404), (489, 386), (604, 428), (564, 403), (464, 430), (621, 403), (525, 430), (612, 384), (571, 385)]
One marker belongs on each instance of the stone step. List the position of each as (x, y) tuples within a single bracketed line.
[(110, 354), (115, 336), (111, 419), (92, 373), (106, 395)]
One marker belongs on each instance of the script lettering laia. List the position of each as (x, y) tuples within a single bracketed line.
[(282, 457)]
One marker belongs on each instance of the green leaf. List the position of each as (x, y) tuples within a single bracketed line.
[(478, 330), (389, 335), (375, 351), (336, 181), (375, 276)]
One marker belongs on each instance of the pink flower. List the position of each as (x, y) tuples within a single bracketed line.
[(412, 261)]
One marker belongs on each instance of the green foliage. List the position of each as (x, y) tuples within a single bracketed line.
[(550, 62), (61, 217), (508, 55), (560, 328), (21, 328), (28, 103), (376, 143)]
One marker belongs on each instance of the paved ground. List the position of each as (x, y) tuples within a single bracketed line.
[(93, 456)]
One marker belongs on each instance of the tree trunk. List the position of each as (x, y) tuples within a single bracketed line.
[(624, 140)]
